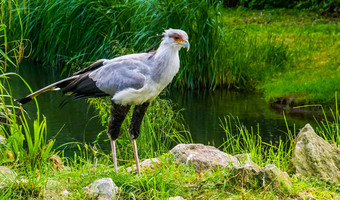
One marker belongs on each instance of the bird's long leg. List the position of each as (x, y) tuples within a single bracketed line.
[(134, 130), (135, 154), (118, 114), (114, 154)]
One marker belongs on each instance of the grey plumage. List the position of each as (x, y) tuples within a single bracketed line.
[(143, 73), (134, 79)]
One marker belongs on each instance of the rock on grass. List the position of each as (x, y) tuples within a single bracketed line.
[(314, 157), (2, 140), (202, 157), (103, 188), (246, 174), (176, 198), (273, 177), (147, 165), (6, 176), (6, 173)]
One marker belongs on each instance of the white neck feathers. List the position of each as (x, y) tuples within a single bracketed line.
[(166, 64)]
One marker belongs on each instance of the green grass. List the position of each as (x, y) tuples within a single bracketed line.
[(27, 144), (242, 140), (164, 181), (299, 55)]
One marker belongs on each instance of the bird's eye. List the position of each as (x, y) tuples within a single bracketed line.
[(176, 37)]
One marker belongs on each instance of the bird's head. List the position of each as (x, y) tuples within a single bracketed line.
[(176, 38)]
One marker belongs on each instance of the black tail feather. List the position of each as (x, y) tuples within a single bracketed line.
[(79, 85), (24, 100)]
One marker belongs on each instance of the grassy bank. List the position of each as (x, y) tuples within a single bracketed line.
[(162, 183), (165, 180), (39, 178), (286, 52)]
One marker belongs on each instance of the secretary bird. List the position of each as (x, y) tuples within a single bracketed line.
[(134, 79)]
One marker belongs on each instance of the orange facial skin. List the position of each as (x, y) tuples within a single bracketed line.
[(177, 38)]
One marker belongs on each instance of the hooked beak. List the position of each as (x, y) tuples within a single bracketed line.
[(186, 45)]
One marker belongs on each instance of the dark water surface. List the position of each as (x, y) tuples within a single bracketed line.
[(203, 111)]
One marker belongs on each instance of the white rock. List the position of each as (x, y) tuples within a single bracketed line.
[(103, 188), (6, 176), (65, 193), (2, 140), (148, 164), (202, 157), (176, 198), (6, 172), (245, 174)]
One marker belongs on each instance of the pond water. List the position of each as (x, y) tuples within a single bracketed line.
[(205, 111), (202, 111)]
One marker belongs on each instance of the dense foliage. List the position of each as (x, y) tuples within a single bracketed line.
[(331, 6), (26, 143), (67, 33)]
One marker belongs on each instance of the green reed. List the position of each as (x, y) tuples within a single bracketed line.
[(26, 140), (71, 32), (329, 127), (242, 140)]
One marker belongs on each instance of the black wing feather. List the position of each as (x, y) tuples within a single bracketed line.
[(84, 87), (79, 84)]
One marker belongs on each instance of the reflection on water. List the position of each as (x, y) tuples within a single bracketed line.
[(203, 111)]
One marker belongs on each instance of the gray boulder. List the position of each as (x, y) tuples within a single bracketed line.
[(314, 157), (202, 157), (103, 188), (242, 157), (244, 161), (273, 177), (246, 174)]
